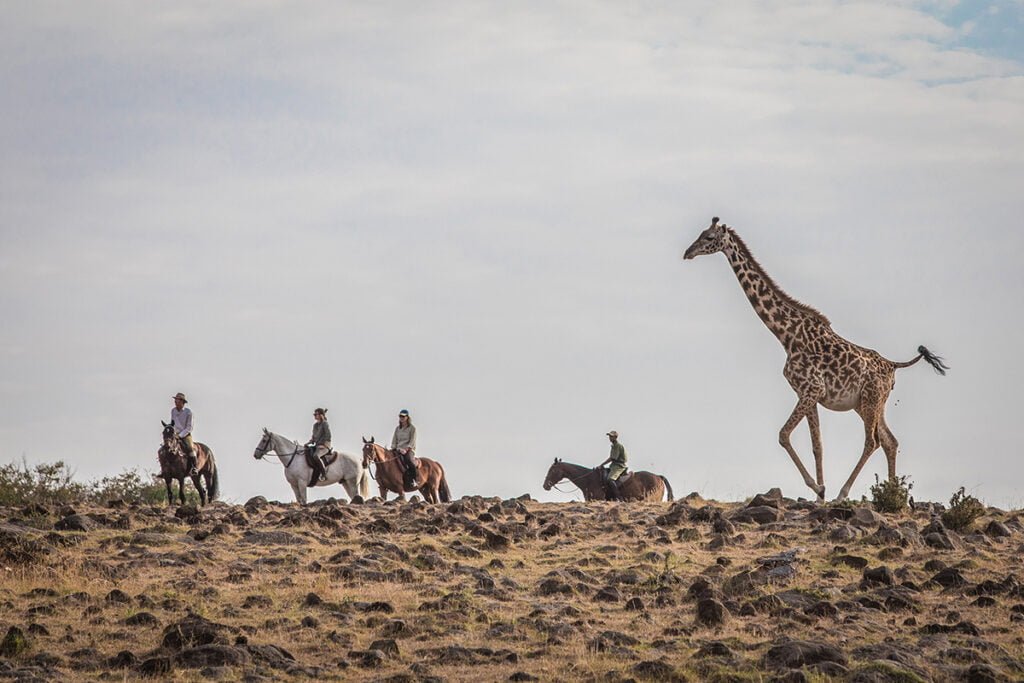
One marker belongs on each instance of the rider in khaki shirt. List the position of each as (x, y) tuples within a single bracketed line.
[(617, 458)]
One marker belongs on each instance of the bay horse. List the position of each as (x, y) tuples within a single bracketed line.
[(346, 468), (390, 475), (174, 465), (590, 480)]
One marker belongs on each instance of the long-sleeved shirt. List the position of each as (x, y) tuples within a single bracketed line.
[(321, 434), (182, 421), (618, 454), (405, 437)]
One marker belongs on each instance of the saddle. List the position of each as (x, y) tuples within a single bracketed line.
[(327, 460)]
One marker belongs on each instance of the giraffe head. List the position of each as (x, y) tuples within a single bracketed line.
[(709, 241)]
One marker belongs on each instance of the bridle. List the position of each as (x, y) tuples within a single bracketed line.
[(262, 449), (573, 480)]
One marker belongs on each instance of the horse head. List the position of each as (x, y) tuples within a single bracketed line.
[(369, 451), (555, 474), (264, 445)]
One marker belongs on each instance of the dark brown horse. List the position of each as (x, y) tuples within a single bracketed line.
[(390, 474), (590, 480), (174, 465)]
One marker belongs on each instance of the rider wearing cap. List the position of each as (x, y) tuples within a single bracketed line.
[(181, 419), (404, 444), (318, 446), (617, 458)]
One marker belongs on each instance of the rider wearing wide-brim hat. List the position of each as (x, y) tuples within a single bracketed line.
[(181, 419), (617, 459)]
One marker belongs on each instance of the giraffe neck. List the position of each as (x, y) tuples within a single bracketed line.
[(792, 322)]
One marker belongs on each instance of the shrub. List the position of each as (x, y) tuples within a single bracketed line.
[(891, 495), (45, 483), (53, 484), (963, 510)]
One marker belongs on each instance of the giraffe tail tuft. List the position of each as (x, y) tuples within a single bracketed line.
[(935, 361)]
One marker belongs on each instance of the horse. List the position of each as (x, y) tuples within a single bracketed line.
[(390, 477), (345, 468), (638, 486), (174, 465)]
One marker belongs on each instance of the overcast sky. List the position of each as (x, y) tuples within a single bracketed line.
[(476, 211)]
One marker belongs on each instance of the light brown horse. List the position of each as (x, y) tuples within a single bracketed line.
[(590, 481), (390, 474)]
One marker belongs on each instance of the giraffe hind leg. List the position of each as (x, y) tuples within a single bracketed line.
[(814, 426), (869, 411), (802, 409)]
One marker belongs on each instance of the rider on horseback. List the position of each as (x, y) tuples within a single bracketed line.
[(181, 418), (404, 444), (617, 458), (319, 445)]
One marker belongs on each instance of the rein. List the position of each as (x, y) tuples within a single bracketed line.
[(291, 456)]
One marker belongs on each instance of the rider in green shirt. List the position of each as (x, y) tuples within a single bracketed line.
[(617, 458)]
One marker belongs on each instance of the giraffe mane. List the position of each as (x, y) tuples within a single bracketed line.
[(799, 305)]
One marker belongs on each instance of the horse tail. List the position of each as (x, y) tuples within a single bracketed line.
[(214, 491), (442, 488), (937, 363), (668, 487)]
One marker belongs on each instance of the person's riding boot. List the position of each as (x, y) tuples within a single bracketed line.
[(410, 472), (192, 462), (616, 494), (323, 472)]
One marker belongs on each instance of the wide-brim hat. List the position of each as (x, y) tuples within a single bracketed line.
[(613, 433), (320, 411), (180, 397)]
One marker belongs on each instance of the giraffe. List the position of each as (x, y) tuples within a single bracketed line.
[(821, 366)]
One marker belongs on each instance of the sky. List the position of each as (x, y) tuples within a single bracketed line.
[(476, 211)]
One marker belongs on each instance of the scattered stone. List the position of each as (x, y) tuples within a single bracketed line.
[(878, 576), (14, 643), (795, 654), (761, 514), (711, 613), (75, 522)]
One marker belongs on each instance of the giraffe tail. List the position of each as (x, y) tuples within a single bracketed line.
[(935, 361)]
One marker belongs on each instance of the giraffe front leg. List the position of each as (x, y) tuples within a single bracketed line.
[(799, 412)]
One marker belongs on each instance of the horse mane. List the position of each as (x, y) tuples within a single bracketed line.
[(755, 265)]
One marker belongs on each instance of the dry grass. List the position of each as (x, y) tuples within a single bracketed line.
[(437, 590)]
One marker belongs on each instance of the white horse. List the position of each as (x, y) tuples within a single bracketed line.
[(346, 468)]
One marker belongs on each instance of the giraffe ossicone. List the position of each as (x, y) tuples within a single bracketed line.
[(821, 367)]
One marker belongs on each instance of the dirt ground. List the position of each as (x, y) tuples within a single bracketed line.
[(484, 589)]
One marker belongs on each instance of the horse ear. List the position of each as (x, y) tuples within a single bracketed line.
[(265, 431), (364, 440)]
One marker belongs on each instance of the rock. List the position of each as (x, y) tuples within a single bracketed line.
[(608, 594), (656, 670), (950, 577), (795, 654), (851, 561), (522, 676), (368, 659), (156, 666), (822, 608), (118, 596), (75, 522), (125, 659), (258, 601), (761, 514), (635, 605), (866, 517), (141, 619), (14, 643), (386, 645), (878, 576), (212, 655), (272, 538), (982, 673), (996, 529), (193, 631), (608, 640), (714, 648), (255, 504), (711, 612)]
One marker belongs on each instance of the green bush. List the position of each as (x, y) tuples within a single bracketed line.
[(963, 510), (47, 483), (891, 495), (53, 484)]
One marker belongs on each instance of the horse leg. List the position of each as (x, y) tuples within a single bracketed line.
[(198, 483), (181, 489)]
